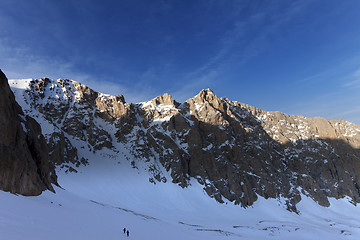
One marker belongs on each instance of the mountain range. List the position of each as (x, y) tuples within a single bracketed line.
[(236, 153)]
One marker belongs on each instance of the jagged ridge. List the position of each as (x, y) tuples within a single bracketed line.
[(236, 151)]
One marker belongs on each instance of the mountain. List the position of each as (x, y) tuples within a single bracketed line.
[(24, 161), (170, 170), (236, 152)]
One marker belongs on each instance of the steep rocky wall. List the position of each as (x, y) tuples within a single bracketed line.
[(24, 157), (239, 152)]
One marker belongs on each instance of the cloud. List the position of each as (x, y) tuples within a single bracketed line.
[(339, 102), (240, 44), (343, 71), (330, 106), (136, 93), (353, 80), (192, 88), (20, 62)]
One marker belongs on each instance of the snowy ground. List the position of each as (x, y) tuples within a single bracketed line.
[(104, 197), (108, 195)]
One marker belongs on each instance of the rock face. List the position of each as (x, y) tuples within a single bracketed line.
[(73, 108), (237, 152), (24, 157)]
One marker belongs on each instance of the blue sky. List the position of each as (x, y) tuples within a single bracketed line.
[(298, 57)]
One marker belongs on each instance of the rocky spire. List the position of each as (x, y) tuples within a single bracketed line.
[(207, 107), (165, 99)]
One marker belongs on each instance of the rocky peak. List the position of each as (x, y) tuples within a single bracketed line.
[(73, 108), (111, 107), (120, 98), (85, 92), (207, 95), (165, 99), (161, 108), (40, 86), (207, 107), (236, 151)]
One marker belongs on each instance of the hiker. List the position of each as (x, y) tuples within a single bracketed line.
[(124, 230), (127, 232)]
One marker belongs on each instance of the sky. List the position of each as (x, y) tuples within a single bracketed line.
[(297, 57)]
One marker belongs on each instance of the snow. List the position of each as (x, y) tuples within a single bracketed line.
[(19, 87), (19, 83), (105, 196), (165, 111), (207, 148), (110, 194)]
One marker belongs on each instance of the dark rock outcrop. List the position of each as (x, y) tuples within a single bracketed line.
[(24, 157), (61, 149)]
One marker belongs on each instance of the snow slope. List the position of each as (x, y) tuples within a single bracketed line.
[(110, 193), (99, 202)]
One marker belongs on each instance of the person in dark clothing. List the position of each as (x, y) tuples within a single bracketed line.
[(127, 232), (124, 230)]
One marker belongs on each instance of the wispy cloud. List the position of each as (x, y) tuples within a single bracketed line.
[(347, 71), (20, 62), (331, 106), (240, 44), (193, 87), (353, 80)]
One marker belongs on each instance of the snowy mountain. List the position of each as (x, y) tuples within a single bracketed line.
[(207, 168), (235, 151)]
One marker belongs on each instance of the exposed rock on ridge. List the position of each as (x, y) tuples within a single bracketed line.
[(239, 152), (24, 157), (236, 151)]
